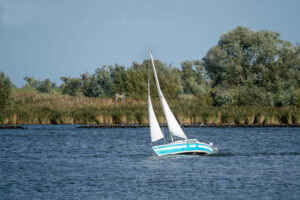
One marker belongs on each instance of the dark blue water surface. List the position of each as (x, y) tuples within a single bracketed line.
[(65, 162)]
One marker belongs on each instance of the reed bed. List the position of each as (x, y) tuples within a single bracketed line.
[(29, 107)]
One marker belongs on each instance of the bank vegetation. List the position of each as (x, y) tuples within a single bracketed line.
[(248, 77)]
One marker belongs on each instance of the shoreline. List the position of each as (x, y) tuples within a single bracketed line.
[(12, 127), (88, 126), (194, 126)]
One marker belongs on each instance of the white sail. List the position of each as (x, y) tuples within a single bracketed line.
[(155, 131), (173, 125)]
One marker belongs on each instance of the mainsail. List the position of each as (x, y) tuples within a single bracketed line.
[(156, 133), (173, 125)]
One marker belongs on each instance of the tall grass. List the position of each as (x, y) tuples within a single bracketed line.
[(30, 107)]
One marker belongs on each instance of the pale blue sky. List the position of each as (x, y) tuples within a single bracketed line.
[(54, 38)]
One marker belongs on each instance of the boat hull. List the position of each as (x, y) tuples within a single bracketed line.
[(183, 148)]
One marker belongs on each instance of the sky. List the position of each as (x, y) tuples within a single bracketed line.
[(55, 38)]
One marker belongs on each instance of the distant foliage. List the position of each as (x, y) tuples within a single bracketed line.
[(137, 77), (71, 86), (245, 68), (5, 90), (98, 84), (46, 86), (195, 81), (31, 82), (254, 68), (42, 86), (109, 80)]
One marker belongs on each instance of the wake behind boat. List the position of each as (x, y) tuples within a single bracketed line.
[(185, 146)]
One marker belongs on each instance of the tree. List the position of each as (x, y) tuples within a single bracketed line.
[(90, 88), (5, 90), (169, 78), (261, 62), (43, 86), (137, 77), (195, 81), (103, 82), (98, 84), (201, 75), (137, 80), (31, 82), (71, 86), (188, 77), (118, 75)]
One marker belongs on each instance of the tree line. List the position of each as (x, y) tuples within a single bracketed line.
[(109, 80), (244, 68)]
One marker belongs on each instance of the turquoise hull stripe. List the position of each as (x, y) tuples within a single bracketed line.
[(182, 148), (174, 145)]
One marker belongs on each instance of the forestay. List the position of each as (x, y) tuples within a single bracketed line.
[(173, 125)]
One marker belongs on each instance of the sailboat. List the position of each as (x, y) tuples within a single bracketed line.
[(182, 146)]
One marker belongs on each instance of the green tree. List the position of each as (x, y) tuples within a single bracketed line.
[(45, 86), (90, 88), (259, 63), (137, 77), (71, 86), (103, 81), (195, 81), (31, 82), (5, 90), (118, 75), (98, 84), (189, 77), (169, 78), (201, 75)]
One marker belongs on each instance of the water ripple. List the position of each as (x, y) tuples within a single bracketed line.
[(64, 162)]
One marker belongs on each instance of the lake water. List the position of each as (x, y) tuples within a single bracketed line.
[(65, 162)]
